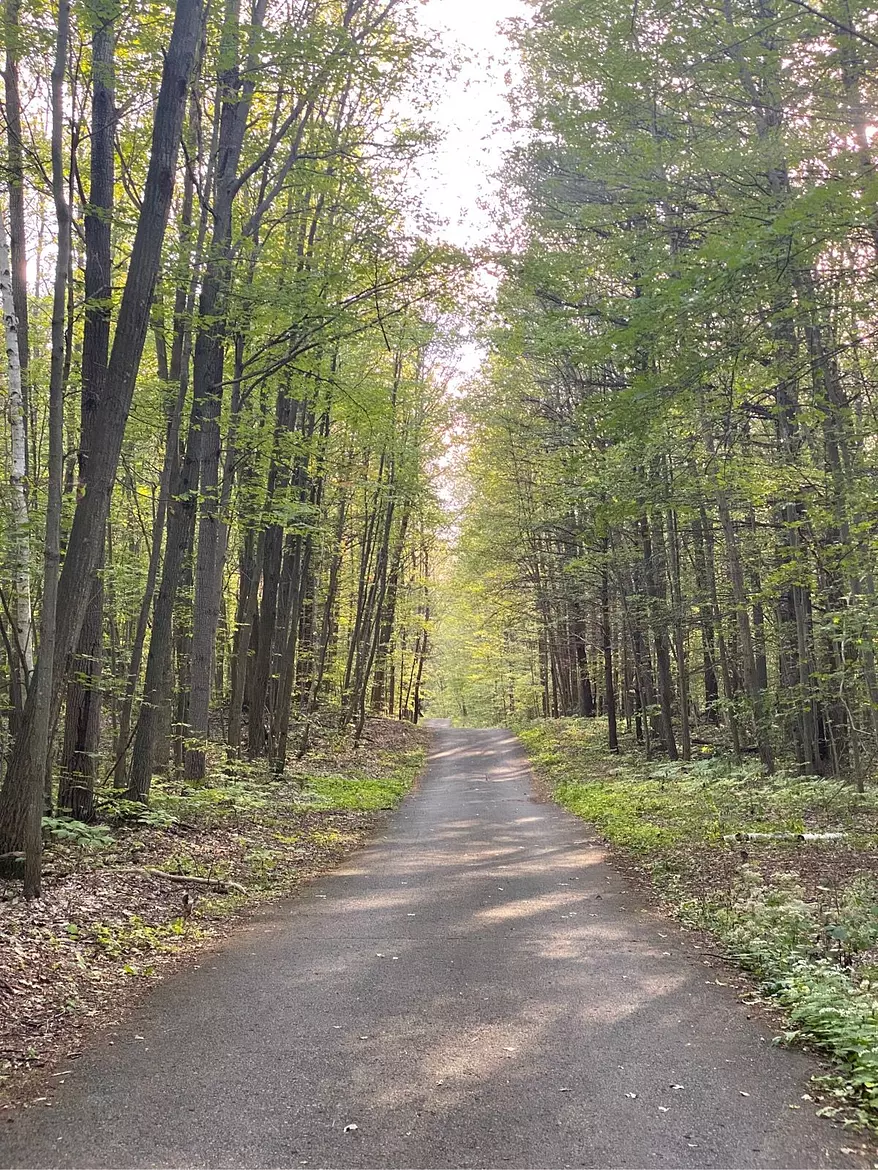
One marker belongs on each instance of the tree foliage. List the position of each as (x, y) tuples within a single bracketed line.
[(230, 404), (671, 479)]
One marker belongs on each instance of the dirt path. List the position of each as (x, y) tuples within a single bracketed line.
[(476, 989)]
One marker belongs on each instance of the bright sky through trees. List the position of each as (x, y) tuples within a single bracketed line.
[(459, 176)]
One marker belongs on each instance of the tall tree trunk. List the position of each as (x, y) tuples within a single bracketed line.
[(654, 577), (236, 88), (79, 760), (607, 646), (679, 635), (326, 627), (22, 665), (90, 517), (15, 169), (21, 812)]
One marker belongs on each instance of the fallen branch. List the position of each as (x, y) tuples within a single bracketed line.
[(221, 884), (11, 857), (784, 836)]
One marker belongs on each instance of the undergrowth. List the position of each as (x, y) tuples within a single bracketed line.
[(241, 795), (780, 868)]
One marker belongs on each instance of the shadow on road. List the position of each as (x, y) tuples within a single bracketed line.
[(478, 988)]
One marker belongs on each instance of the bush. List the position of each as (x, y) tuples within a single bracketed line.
[(69, 831)]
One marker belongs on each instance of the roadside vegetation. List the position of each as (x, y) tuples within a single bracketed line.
[(222, 393), (782, 869)]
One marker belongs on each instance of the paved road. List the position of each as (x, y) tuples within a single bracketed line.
[(476, 989)]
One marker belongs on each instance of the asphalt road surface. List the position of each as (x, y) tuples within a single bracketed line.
[(478, 988)]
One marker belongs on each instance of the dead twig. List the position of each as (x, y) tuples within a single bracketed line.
[(221, 884)]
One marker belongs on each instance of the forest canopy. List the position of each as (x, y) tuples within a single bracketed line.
[(229, 429)]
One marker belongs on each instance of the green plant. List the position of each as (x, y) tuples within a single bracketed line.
[(362, 792), (135, 936), (69, 831), (213, 803), (119, 809)]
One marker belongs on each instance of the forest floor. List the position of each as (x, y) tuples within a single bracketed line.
[(781, 871), (110, 924)]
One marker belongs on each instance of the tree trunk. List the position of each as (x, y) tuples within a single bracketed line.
[(87, 534), (22, 665), (15, 170), (607, 645), (21, 801), (82, 733)]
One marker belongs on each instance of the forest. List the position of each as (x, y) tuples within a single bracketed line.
[(222, 386), (261, 511), (244, 500), (668, 512)]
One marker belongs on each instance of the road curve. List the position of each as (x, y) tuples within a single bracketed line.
[(478, 988)]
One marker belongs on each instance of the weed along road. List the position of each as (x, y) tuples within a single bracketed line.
[(478, 988)]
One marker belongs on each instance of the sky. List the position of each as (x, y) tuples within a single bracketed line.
[(456, 180), (458, 176)]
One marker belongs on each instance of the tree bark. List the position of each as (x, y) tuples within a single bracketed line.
[(23, 664), (82, 732), (89, 521)]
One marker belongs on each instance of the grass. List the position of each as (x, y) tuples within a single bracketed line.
[(799, 912), (364, 792)]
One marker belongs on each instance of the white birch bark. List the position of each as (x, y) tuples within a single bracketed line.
[(23, 616)]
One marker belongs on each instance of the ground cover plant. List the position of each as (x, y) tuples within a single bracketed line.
[(782, 868), (124, 897)]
